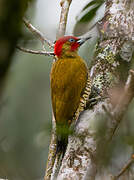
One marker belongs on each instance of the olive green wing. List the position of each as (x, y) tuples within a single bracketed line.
[(66, 88)]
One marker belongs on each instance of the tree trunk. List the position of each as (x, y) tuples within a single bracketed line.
[(111, 63)]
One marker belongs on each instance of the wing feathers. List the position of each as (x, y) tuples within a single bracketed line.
[(68, 80)]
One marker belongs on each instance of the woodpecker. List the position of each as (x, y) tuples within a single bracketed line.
[(69, 80)]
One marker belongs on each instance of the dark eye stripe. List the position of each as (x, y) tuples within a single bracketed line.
[(71, 40)]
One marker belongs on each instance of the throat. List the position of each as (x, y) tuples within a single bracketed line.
[(70, 54)]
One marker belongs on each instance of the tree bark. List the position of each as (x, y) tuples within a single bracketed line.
[(96, 126)]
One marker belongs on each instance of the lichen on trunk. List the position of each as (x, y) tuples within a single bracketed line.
[(109, 71)]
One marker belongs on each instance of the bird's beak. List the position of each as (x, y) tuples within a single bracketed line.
[(82, 40)]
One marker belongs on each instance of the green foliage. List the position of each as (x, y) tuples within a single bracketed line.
[(86, 16), (94, 6)]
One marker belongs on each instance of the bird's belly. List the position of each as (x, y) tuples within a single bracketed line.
[(64, 75), (68, 79)]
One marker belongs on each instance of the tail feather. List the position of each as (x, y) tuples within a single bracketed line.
[(61, 146), (62, 138)]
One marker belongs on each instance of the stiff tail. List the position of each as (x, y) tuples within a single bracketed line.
[(62, 132), (61, 145)]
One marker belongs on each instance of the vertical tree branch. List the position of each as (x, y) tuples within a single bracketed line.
[(65, 5), (123, 104)]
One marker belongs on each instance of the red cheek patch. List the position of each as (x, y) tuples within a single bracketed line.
[(74, 46), (59, 44), (58, 49)]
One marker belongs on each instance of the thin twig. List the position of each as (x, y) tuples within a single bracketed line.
[(127, 95), (124, 102), (35, 52), (65, 4), (124, 169), (37, 33), (107, 112), (51, 157), (52, 152)]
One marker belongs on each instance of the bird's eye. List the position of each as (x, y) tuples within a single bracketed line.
[(71, 40)]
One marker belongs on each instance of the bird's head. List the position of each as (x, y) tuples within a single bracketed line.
[(68, 45)]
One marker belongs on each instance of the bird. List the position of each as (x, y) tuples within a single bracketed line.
[(69, 76)]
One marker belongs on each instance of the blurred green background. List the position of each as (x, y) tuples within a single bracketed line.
[(25, 117), (25, 113)]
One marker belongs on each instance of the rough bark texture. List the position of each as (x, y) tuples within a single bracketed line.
[(110, 67)]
